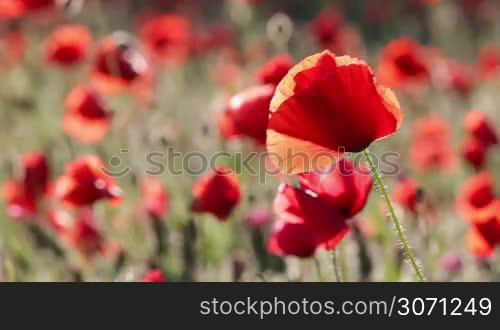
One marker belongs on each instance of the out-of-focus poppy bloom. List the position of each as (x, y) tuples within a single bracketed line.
[(258, 217), (408, 194), (478, 245), (22, 195), (460, 78), (452, 262), (275, 69), (83, 234), (155, 200), (168, 38), (119, 65), (489, 61), (330, 32), (36, 172), (308, 119), (217, 193), (480, 128), (315, 214), (214, 37), (20, 200), (474, 152), (487, 222), (85, 182), (452, 75), (403, 62), (247, 114), (10, 9), (68, 45), (86, 117), (476, 194), (153, 276), (431, 147), (326, 27)]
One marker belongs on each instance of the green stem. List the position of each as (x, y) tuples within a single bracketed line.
[(399, 229), (335, 264)]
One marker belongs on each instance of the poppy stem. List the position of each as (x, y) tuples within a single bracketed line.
[(399, 228)]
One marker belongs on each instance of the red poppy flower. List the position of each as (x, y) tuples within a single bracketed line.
[(330, 32), (476, 194), (36, 172), (217, 193), (308, 119), (474, 153), (37, 5), (431, 147), (460, 78), (13, 45), (480, 128), (86, 182), (22, 196), (10, 9), (21, 201), (83, 234), (68, 45), (153, 276), (247, 114), (155, 201), (315, 214), (408, 194), (403, 61), (215, 37), (489, 61), (119, 65), (275, 69), (168, 38), (86, 117)]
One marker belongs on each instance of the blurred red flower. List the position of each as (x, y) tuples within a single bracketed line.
[(489, 61), (10, 9), (480, 128), (86, 117), (217, 193), (12, 45), (212, 38), (22, 195), (308, 119), (275, 69), (431, 147), (478, 245), (485, 232), (153, 276), (85, 182), (68, 45), (155, 199), (315, 214), (403, 62), (247, 114), (79, 232), (168, 38), (474, 152), (476, 194), (408, 194), (331, 32)]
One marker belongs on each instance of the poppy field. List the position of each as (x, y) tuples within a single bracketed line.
[(249, 140)]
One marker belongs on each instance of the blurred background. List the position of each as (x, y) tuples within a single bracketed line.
[(120, 79)]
